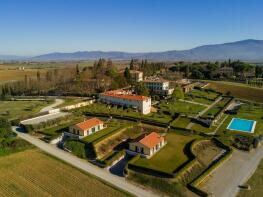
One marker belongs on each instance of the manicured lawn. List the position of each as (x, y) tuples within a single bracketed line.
[(170, 157), (255, 183), (202, 96), (33, 173), (112, 127), (16, 109), (53, 132), (181, 122), (180, 107), (200, 128), (216, 108)]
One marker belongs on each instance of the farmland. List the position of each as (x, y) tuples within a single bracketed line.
[(237, 90), (47, 177), (13, 75)]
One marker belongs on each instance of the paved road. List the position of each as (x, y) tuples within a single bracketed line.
[(44, 118), (104, 174), (236, 171), (191, 124), (52, 106)]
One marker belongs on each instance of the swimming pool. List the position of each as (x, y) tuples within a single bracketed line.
[(243, 125)]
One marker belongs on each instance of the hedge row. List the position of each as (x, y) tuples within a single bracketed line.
[(112, 157), (188, 165), (143, 120)]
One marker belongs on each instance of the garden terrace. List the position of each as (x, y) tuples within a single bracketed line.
[(100, 109), (174, 107), (119, 141), (216, 109), (204, 96), (171, 157)]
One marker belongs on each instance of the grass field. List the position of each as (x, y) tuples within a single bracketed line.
[(237, 90), (33, 173), (15, 109), (255, 183), (170, 157), (202, 96), (181, 107), (181, 122)]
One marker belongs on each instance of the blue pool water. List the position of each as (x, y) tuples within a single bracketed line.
[(242, 125)]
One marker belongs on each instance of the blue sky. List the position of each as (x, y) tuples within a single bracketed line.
[(32, 27)]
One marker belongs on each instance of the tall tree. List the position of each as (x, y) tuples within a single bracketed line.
[(38, 75), (127, 75), (132, 64), (141, 89)]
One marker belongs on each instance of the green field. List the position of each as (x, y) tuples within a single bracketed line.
[(181, 122), (171, 156), (212, 112), (255, 183), (180, 107), (202, 96), (16, 109), (111, 127)]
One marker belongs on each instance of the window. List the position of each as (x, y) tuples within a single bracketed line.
[(93, 130)]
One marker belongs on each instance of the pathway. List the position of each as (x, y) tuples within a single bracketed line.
[(119, 182), (191, 124), (236, 171), (52, 106), (218, 126), (193, 102)]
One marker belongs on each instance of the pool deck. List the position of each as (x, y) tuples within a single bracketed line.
[(252, 129)]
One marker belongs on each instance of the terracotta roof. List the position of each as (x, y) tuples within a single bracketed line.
[(151, 140), (125, 95), (89, 123)]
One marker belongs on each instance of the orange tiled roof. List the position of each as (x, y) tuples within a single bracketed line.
[(125, 95), (89, 123), (151, 140)]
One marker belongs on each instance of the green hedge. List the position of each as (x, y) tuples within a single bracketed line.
[(110, 158)]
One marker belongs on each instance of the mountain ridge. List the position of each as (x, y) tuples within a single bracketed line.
[(247, 50)]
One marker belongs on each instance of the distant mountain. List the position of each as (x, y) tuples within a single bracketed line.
[(11, 57), (249, 50)]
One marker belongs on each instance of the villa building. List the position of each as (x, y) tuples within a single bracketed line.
[(188, 87), (158, 86), (86, 127), (136, 76), (127, 99), (146, 145)]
